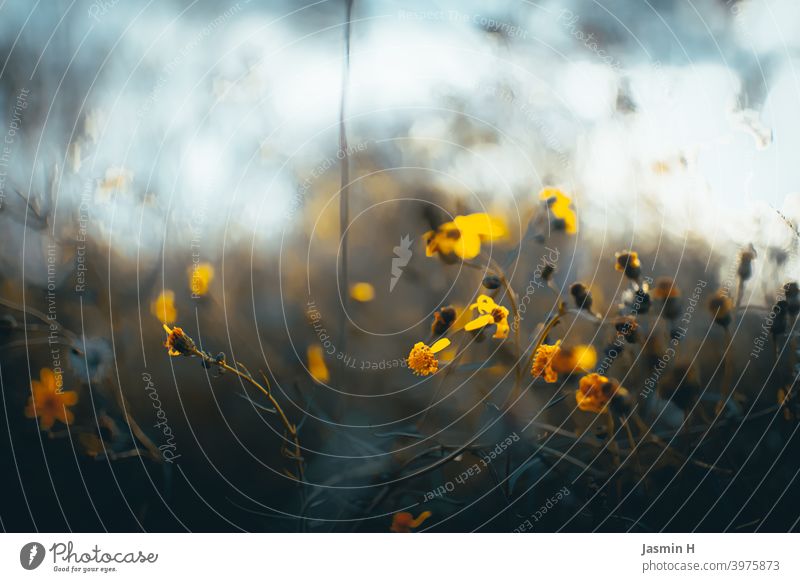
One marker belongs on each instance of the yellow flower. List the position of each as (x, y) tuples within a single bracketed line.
[(560, 206), (596, 391), (316, 364), (362, 292), (489, 313), (404, 522), (421, 360), (200, 277), (178, 343), (464, 235), (580, 358), (48, 402), (164, 307), (543, 362)]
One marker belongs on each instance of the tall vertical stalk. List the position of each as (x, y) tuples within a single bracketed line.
[(344, 192)]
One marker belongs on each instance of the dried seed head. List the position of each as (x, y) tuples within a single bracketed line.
[(582, 296), (178, 343), (746, 257), (721, 307), (627, 327), (443, 319), (492, 282), (665, 288), (628, 262)]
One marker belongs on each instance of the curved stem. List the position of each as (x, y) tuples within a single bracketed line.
[(291, 429)]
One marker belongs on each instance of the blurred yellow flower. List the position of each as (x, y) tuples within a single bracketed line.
[(362, 292), (316, 364), (48, 402), (560, 206), (164, 307), (404, 522), (580, 358), (596, 391), (200, 277), (464, 235), (489, 313), (543, 362), (422, 360)]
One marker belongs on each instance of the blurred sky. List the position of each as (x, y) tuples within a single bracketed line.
[(659, 114)]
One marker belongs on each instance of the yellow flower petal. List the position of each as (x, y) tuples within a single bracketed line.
[(479, 322), (468, 246), (484, 304), (440, 345), (483, 225)]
